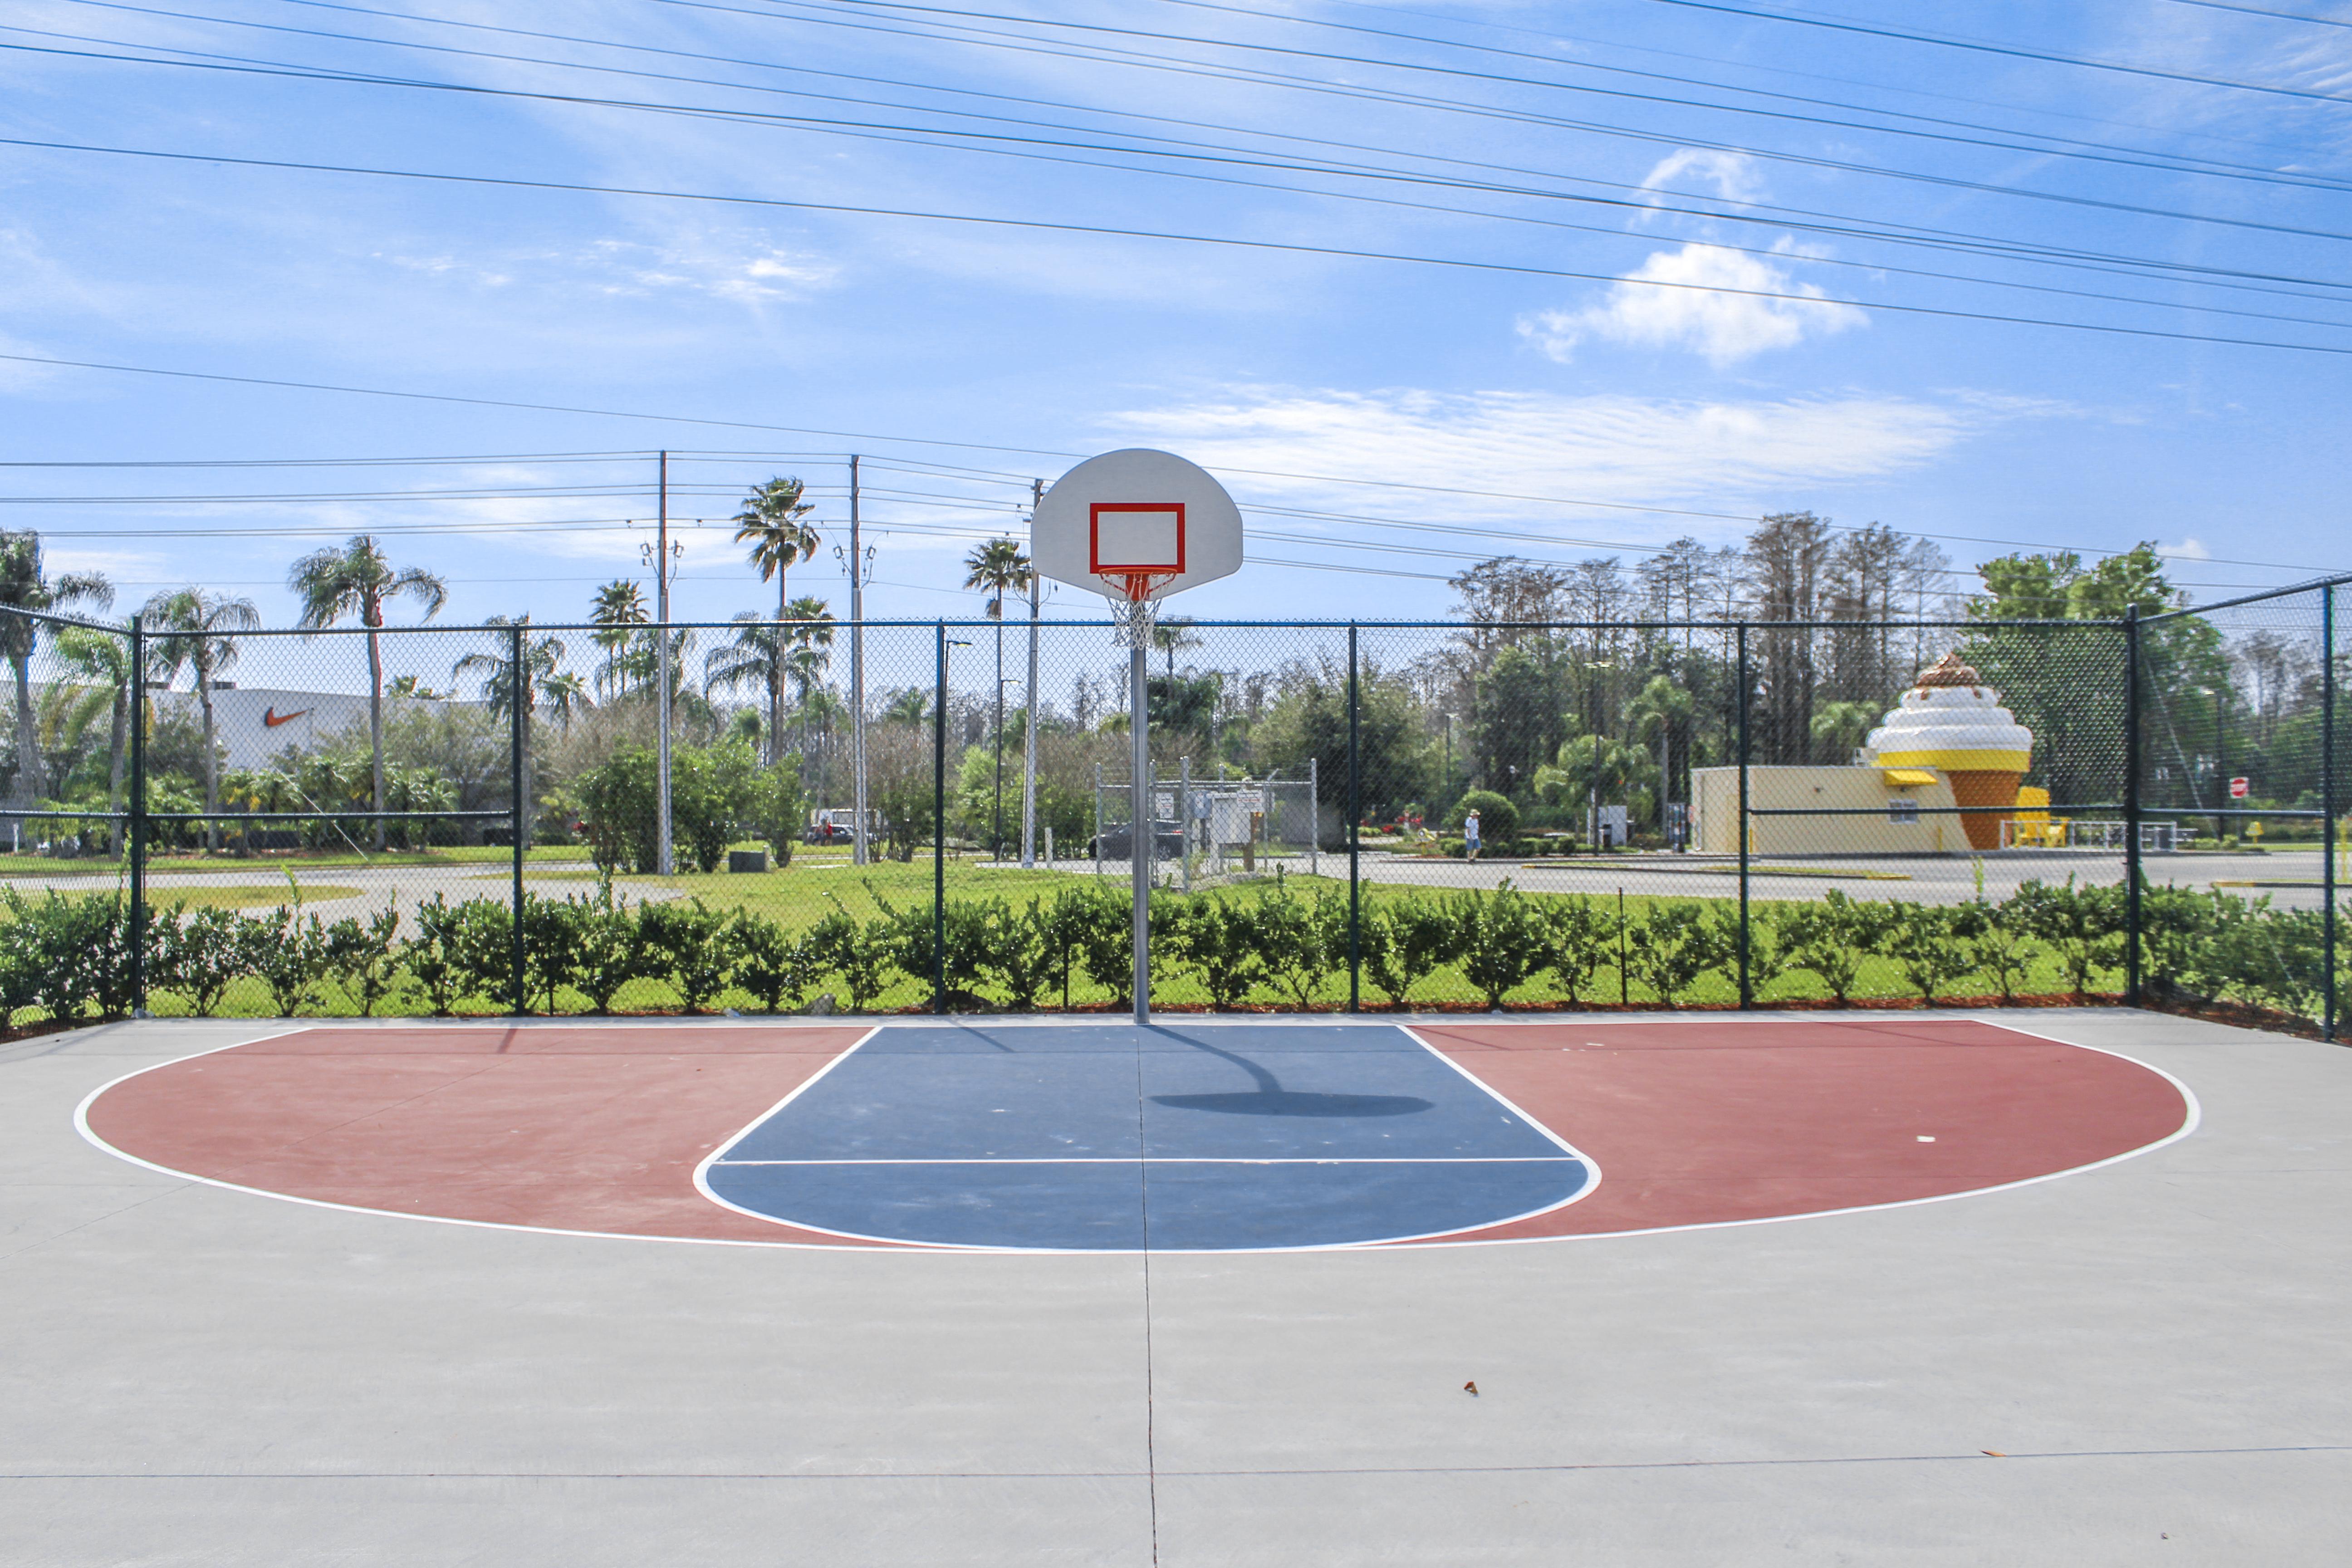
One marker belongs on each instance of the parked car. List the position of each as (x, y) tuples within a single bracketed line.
[(838, 825), (1167, 841)]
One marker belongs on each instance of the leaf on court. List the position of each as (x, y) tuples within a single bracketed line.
[(1471, 1387), (1992, 1453)]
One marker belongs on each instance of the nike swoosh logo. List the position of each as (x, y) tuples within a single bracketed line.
[(273, 718)]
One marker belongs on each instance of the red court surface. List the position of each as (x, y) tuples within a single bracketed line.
[(599, 1128)]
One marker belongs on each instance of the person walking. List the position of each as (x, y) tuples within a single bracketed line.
[(1470, 835)]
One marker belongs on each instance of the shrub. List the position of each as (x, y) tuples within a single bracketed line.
[(772, 964), (1104, 937), (2005, 955), (1935, 945), (1069, 918), (1833, 938), (1304, 941), (199, 953), (1498, 819), (287, 952), (2082, 925), (430, 956), (1674, 944), (363, 957), (1500, 948), (1575, 935), (1407, 941), (608, 946), (688, 944), (1018, 952), (64, 955), (862, 954), (1222, 941)]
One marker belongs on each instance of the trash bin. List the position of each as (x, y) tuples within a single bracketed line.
[(747, 860)]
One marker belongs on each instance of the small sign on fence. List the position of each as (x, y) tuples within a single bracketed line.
[(2240, 788)]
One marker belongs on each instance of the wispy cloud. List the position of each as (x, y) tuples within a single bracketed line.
[(1735, 456)]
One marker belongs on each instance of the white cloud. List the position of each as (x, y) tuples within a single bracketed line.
[(1703, 298), (2188, 550), (1734, 176), (1743, 457)]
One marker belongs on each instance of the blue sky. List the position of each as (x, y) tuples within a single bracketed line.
[(1544, 392)]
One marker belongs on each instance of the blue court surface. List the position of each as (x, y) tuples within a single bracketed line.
[(1170, 1137)]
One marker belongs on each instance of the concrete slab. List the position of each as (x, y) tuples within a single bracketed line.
[(2156, 1346)]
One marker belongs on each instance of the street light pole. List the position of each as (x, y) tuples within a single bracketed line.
[(663, 857), (1029, 729)]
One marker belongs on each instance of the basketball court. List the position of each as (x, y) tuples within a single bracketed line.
[(1729, 1290), (1702, 1289)]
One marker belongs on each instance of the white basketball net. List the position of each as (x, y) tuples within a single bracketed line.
[(1131, 613)]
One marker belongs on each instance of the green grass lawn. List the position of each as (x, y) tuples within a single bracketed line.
[(300, 860)]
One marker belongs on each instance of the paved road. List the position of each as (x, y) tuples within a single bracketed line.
[(1938, 880), (1930, 880)]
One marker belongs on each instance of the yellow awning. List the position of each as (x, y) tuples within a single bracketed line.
[(1908, 776)]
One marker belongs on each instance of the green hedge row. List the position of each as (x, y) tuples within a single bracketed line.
[(66, 957)]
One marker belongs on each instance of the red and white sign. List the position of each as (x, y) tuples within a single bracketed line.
[(2238, 789)]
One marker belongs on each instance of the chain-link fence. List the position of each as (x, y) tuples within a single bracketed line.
[(763, 815)]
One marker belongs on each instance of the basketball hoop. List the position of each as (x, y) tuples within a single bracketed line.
[(1134, 603)]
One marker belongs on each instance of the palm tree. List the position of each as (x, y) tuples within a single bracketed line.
[(909, 706), (620, 606), (998, 567), (543, 661), (770, 524), (356, 579), (103, 659), (566, 694), (200, 635), (1174, 632), (760, 655), (541, 677), (24, 585)]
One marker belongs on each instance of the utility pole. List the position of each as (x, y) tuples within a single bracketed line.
[(663, 859), (1029, 731), (858, 852)]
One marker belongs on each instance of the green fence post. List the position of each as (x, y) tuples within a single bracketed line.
[(2131, 808), (517, 738), (1355, 814), (135, 834), (939, 829), (1747, 987), (2327, 998)]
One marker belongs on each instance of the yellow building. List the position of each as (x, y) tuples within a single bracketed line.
[(1882, 810)]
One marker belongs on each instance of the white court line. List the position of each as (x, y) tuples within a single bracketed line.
[(893, 1245), (1571, 1155), (1198, 1160), (2194, 1116)]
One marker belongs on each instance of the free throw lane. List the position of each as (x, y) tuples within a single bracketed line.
[(1175, 1136)]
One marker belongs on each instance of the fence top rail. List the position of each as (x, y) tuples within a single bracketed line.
[(50, 617), (2311, 585), (590, 628)]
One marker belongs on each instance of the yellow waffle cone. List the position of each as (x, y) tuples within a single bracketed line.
[(1982, 787)]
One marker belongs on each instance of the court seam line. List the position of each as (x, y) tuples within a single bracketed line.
[(1568, 1467)]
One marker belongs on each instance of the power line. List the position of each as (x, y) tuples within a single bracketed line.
[(1019, 147), (1109, 231), (2013, 51)]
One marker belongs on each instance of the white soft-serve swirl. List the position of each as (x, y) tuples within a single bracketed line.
[(1950, 727)]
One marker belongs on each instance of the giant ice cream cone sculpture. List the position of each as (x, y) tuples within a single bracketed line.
[(1951, 722)]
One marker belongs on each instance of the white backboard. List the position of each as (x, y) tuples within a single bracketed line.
[(1136, 511)]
